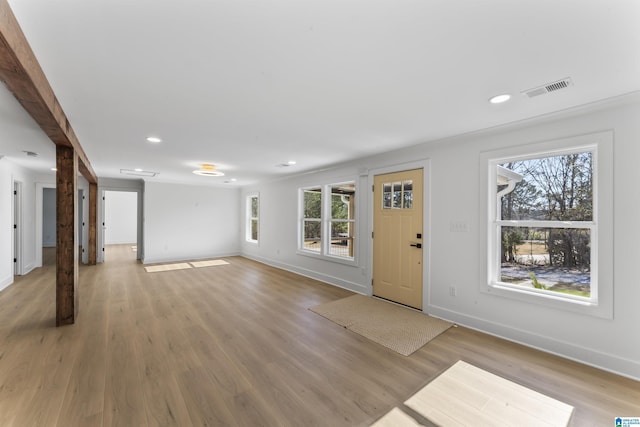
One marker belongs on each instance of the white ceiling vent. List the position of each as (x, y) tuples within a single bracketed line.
[(134, 172), (549, 87)]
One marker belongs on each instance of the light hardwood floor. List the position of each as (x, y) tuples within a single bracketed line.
[(236, 345)]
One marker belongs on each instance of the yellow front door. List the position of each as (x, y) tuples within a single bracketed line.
[(398, 237)]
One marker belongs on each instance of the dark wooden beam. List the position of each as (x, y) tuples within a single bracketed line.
[(66, 235), (23, 76), (93, 221)]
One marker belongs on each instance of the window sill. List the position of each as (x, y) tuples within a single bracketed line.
[(330, 258), (575, 305)]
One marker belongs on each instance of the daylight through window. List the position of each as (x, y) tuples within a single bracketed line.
[(252, 218), (328, 220), (544, 224)]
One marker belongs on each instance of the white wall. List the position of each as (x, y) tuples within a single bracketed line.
[(10, 172), (6, 232), (121, 217), (190, 222), (455, 259), (49, 217)]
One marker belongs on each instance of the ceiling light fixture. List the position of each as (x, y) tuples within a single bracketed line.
[(207, 169), (499, 99), (287, 164), (153, 139), (54, 169)]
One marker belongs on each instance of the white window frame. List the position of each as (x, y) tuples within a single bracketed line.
[(600, 303), (325, 224), (250, 218)]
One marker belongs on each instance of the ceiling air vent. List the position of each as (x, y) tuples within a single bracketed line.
[(549, 87), (134, 172)]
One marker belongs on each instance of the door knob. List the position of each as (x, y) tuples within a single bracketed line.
[(416, 245)]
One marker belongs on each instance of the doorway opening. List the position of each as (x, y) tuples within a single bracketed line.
[(120, 219), (49, 226)]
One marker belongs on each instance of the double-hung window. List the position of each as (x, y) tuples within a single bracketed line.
[(544, 229), (253, 221), (328, 220)]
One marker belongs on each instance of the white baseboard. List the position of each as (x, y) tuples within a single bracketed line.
[(331, 280), (157, 260), (28, 268), (6, 282), (605, 361)]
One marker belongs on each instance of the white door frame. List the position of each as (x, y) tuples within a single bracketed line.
[(40, 186), (426, 223), (101, 226), (17, 228)]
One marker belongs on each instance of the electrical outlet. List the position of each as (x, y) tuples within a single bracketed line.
[(453, 291)]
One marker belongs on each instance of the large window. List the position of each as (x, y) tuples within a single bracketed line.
[(253, 221), (544, 225), (328, 220)]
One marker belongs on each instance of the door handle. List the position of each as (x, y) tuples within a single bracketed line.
[(416, 245)]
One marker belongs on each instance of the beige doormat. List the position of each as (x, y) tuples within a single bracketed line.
[(401, 329), (167, 267), (208, 263), (465, 395)]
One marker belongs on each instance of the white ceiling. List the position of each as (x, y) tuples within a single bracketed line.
[(248, 85)]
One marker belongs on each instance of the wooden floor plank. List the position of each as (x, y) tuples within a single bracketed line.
[(237, 345)]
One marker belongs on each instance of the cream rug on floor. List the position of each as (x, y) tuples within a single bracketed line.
[(167, 267), (208, 263), (401, 329), (465, 395)]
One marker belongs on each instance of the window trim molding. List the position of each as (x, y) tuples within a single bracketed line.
[(249, 218), (601, 144), (325, 223)]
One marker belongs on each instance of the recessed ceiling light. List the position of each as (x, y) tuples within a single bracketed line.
[(207, 169), (499, 99), (291, 162), (153, 139), (54, 169), (138, 170)]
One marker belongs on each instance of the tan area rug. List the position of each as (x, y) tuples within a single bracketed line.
[(167, 267), (465, 395), (208, 263), (401, 329)]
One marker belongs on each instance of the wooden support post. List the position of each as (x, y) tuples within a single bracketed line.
[(93, 221), (66, 236)]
